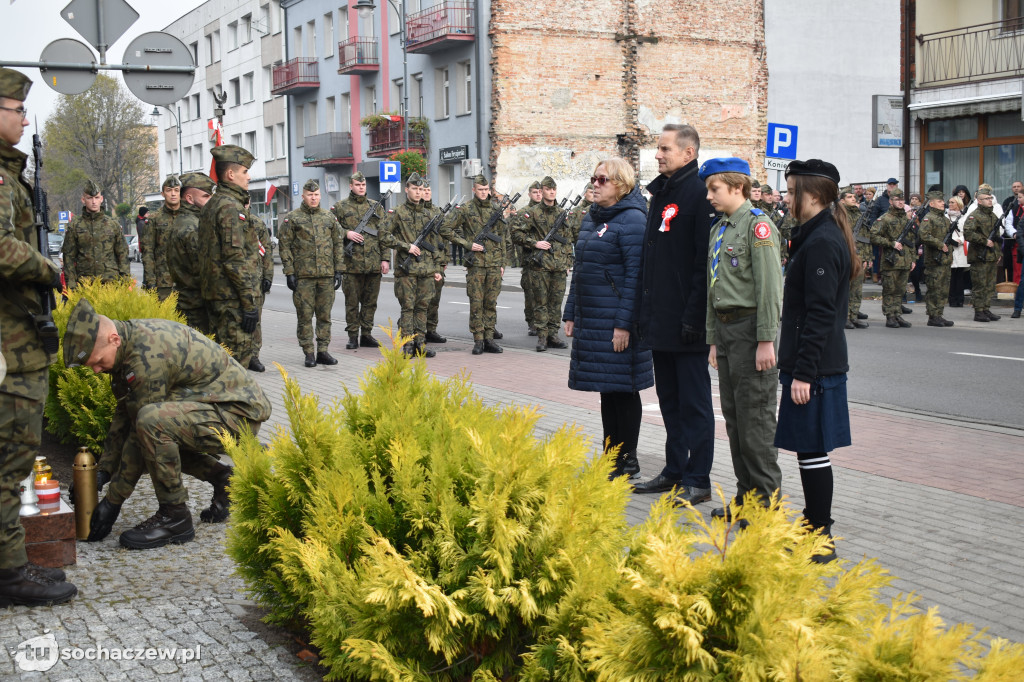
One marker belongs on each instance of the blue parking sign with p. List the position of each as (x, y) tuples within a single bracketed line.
[(781, 141), (390, 171)]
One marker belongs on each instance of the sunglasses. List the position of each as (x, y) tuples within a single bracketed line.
[(597, 181)]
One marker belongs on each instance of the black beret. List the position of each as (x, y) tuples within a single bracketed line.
[(817, 167)]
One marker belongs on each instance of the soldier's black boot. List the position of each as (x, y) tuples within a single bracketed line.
[(860, 325), (491, 347), (862, 316), (102, 520), (367, 341), (255, 365), (434, 337), (980, 316), (555, 342), (353, 342), (172, 523), (498, 335), (945, 322), (542, 344), (19, 587), (935, 322), (478, 347), (849, 324), (992, 316), (891, 323), (220, 504), (43, 574), (901, 321), (325, 358), (409, 350), (421, 349), (310, 360), (906, 310), (532, 331)]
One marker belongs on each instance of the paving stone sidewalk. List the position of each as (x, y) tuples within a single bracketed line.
[(944, 517)]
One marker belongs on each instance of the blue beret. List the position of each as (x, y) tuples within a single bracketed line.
[(728, 164)]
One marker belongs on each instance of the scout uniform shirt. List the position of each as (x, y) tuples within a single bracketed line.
[(747, 276)]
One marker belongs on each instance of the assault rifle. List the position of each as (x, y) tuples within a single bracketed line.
[(911, 225), (947, 241), (428, 229), (858, 230), (488, 231), (45, 327), (363, 226), (553, 234)]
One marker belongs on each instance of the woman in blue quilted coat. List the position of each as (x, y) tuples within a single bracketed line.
[(600, 315)]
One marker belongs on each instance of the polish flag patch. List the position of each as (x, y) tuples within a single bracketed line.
[(241, 216), (762, 231), (263, 251)]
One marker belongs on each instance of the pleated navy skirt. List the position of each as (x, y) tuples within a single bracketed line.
[(822, 425)]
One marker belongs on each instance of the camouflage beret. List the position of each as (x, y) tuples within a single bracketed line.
[(549, 182), (479, 179), (198, 181), (843, 191), (415, 180), (766, 188), (311, 186), (535, 185), (426, 182), (589, 187), (14, 84), (935, 194), (91, 189), (80, 336), (171, 181), (896, 193), (983, 189), (356, 177), (232, 153)]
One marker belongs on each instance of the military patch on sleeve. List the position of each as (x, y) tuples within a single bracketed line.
[(241, 216), (1, 180), (130, 379), (762, 231)]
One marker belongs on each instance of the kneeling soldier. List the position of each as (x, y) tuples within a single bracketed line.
[(176, 392)]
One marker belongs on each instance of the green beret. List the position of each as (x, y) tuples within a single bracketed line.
[(548, 182), (535, 185), (311, 186), (935, 194), (896, 193), (232, 153), (91, 189), (983, 189), (80, 336), (480, 180), (198, 181), (171, 181), (415, 180), (356, 177), (14, 84)]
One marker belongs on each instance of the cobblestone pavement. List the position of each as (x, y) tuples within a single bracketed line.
[(949, 535)]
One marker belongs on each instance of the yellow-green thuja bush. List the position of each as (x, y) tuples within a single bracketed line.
[(80, 404)]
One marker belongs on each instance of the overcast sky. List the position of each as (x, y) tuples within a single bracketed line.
[(31, 25)]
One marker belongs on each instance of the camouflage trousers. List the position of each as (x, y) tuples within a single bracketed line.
[(361, 291), (197, 318), (163, 292), (547, 288), (524, 282), (435, 304), (314, 296), (21, 428), (483, 286), (257, 336), (983, 284), (413, 294), (894, 286), (936, 279), (226, 323), (171, 439), (856, 296)]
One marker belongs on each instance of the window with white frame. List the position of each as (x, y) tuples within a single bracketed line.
[(416, 96), (245, 29), (442, 88), (311, 39), (300, 46), (346, 113), (268, 144), (464, 96), (397, 96), (268, 82), (343, 22), (170, 162), (194, 51), (232, 35), (279, 136), (184, 110), (195, 106), (311, 126), (329, 42), (300, 130), (199, 156), (187, 158), (237, 139), (235, 88), (394, 19), (329, 114), (209, 49), (370, 101), (248, 91), (250, 143), (266, 19)]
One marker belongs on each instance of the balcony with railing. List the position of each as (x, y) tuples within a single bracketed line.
[(970, 54), (327, 149), (388, 138), (440, 27), (295, 76), (358, 55)]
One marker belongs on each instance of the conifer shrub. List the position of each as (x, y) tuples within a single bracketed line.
[(80, 404)]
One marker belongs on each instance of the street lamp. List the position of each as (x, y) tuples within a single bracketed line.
[(156, 114), (365, 9)]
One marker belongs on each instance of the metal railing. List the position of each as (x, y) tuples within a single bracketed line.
[(326, 146), (295, 72), (357, 52), (445, 18), (390, 137), (972, 53)]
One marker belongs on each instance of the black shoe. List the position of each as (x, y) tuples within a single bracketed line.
[(658, 484), (692, 495), (918, 296), (555, 342), (625, 465), (860, 325), (478, 347), (498, 335), (891, 322), (992, 316), (310, 360), (531, 331), (19, 588), (353, 342), (726, 513), (434, 337), (935, 322), (980, 316), (862, 316), (956, 305), (325, 358), (491, 347), (367, 341), (255, 365), (102, 520), (906, 310), (1015, 314), (172, 523), (43, 574), (542, 344), (902, 322), (829, 554), (849, 324), (220, 504)]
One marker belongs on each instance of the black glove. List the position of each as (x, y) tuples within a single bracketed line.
[(249, 320), (102, 478), (291, 281), (56, 283), (691, 335), (265, 286), (337, 281)]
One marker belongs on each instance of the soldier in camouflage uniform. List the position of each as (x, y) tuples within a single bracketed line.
[(311, 255), (438, 241), (848, 202), (229, 278), (483, 265), (894, 274), (155, 245), (362, 271), (938, 258), (265, 266), (524, 252), (177, 392), (183, 250), (983, 254), (546, 277), (23, 390), (414, 287), (93, 243)]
